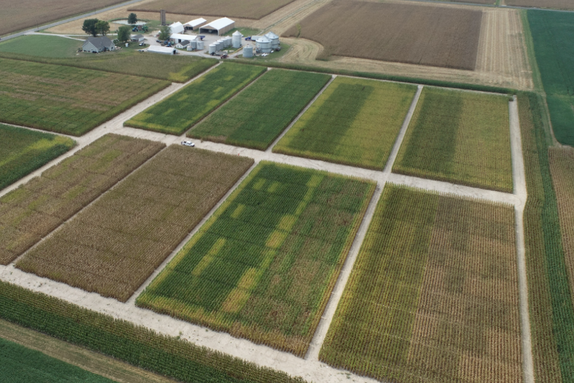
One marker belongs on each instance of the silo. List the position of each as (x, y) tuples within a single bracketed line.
[(274, 39), (248, 51), (228, 41), (236, 39), (263, 44), (193, 44), (219, 44), (200, 45), (212, 48)]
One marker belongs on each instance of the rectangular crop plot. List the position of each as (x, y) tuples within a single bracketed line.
[(260, 113), (115, 244), (264, 265), (245, 9), (433, 294), (183, 109), (66, 99), (353, 122), (459, 137), (415, 34), (32, 211), (23, 151)]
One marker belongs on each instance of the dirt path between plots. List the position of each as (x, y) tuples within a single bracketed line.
[(88, 360)]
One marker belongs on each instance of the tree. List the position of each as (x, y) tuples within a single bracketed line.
[(164, 32), (124, 33), (132, 18), (90, 27), (102, 27)]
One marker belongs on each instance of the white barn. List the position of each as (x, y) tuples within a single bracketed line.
[(179, 37), (176, 27), (194, 24), (219, 26)]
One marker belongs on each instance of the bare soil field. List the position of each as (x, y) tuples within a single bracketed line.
[(249, 9), (417, 34), (18, 15), (557, 4)]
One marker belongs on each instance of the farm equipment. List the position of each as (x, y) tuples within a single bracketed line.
[(201, 37), (224, 56), (248, 38), (145, 28), (135, 29)]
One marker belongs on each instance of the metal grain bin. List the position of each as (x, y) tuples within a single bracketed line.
[(263, 44), (200, 45), (212, 48), (248, 51), (274, 39), (236, 39), (193, 44)]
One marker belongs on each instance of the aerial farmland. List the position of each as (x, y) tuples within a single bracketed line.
[(385, 195)]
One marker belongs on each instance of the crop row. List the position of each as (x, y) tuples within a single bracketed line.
[(432, 295), (32, 211), (65, 99), (23, 151), (115, 244), (180, 111), (260, 113), (264, 265)]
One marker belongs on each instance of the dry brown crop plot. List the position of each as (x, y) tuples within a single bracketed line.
[(557, 4), (18, 15), (32, 211), (408, 33), (562, 168), (114, 245)]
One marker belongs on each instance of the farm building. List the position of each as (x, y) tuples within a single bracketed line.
[(161, 50), (179, 37), (194, 24), (98, 44), (176, 27), (137, 38), (219, 26), (182, 44)]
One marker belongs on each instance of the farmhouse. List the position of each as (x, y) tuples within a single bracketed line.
[(219, 26), (98, 44), (194, 24), (176, 27)]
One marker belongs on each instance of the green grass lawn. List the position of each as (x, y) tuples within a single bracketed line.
[(353, 122), (460, 137), (23, 151), (179, 112), (264, 265), (19, 364), (41, 46), (552, 35), (260, 113)]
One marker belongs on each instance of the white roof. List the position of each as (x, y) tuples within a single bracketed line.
[(196, 22), (262, 39), (237, 33), (180, 36), (176, 27), (271, 36), (219, 23), (158, 49)]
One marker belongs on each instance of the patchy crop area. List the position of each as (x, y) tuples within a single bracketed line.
[(264, 265), (19, 15), (180, 111), (23, 151), (436, 36), (257, 116), (353, 122), (115, 244), (245, 9), (556, 4), (42, 46), (562, 168), (433, 294), (65, 99), (552, 34), (32, 211), (21, 364), (460, 137)]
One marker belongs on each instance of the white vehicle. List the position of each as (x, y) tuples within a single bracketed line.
[(187, 143)]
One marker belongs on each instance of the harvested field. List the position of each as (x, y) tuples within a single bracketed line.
[(23, 151), (556, 4), (247, 9), (65, 99), (180, 111), (260, 113), (435, 36), (115, 244), (32, 211), (460, 137), (264, 265), (552, 35), (562, 168), (433, 295), (21, 364), (353, 122), (19, 15)]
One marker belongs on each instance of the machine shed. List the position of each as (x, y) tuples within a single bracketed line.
[(219, 26), (194, 24)]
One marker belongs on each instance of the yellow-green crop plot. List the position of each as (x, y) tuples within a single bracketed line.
[(264, 265), (353, 122), (460, 137), (433, 296)]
